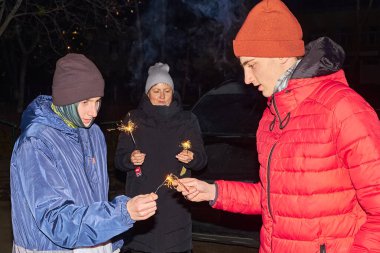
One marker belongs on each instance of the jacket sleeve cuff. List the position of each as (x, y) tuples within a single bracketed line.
[(212, 202), (124, 211)]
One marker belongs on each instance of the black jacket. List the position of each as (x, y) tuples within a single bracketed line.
[(159, 133)]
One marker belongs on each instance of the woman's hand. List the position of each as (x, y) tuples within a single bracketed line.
[(185, 156), (137, 158)]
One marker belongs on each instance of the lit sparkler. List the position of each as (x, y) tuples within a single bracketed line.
[(169, 180), (186, 145), (127, 128)]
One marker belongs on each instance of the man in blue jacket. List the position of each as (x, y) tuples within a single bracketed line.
[(59, 181)]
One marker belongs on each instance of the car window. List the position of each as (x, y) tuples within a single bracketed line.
[(234, 111)]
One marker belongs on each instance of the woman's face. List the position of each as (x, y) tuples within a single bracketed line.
[(161, 94)]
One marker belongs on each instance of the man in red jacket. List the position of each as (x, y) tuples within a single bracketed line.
[(318, 144)]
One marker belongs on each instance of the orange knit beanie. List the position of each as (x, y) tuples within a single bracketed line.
[(270, 30)]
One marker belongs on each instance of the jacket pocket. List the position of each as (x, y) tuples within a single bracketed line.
[(322, 248), (91, 170)]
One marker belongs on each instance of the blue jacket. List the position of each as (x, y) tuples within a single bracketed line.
[(59, 184)]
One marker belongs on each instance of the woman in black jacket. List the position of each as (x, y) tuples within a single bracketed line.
[(154, 151)]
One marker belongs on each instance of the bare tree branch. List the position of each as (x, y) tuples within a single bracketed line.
[(46, 28), (10, 16)]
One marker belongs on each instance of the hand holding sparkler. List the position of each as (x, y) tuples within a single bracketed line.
[(171, 181), (137, 158), (185, 155), (196, 190), (142, 207), (186, 145)]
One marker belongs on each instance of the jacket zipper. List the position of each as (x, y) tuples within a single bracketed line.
[(323, 248), (268, 179)]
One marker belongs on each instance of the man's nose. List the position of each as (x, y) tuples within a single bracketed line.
[(248, 77)]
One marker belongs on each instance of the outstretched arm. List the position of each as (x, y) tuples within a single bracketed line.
[(237, 197), (196, 190)]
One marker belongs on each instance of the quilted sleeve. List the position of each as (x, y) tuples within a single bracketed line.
[(238, 197), (358, 145)]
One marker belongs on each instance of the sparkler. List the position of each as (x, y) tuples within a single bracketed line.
[(186, 145), (169, 180), (127, 128)]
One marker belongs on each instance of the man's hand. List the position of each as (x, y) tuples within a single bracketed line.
[(197, 190), (137, 158), (185, 156), (142, 207)]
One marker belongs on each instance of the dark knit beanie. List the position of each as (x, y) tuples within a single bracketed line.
[(76, 78), (270, 30), (158, 73)]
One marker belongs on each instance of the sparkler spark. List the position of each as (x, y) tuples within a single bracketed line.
[(169, 180), (186, 145), (130, 127), (127, 128)]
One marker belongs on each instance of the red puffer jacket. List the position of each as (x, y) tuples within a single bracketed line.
[(319, 150)]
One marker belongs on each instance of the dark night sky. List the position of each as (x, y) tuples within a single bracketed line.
[(194, 37)]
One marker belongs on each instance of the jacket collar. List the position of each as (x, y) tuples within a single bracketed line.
[(322, 62), (39, 111), (161, 113), (298, 90)]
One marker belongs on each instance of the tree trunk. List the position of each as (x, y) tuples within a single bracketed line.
[(10, 16), (25, 52), (11, 69), (141, 57), (21, 87), (163, 15)]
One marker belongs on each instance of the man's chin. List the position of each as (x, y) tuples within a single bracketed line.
[(266, 94), (87, 123)]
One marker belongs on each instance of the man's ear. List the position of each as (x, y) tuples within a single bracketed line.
[(283, 60), (287, 62)]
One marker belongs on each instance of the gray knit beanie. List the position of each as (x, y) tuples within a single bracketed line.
[(158, 73), (76, 78)]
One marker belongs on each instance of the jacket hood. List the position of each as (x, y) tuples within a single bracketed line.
[(323, 57), (323, 62), (39, 112)]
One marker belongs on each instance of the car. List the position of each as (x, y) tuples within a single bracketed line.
[(228, 116)]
